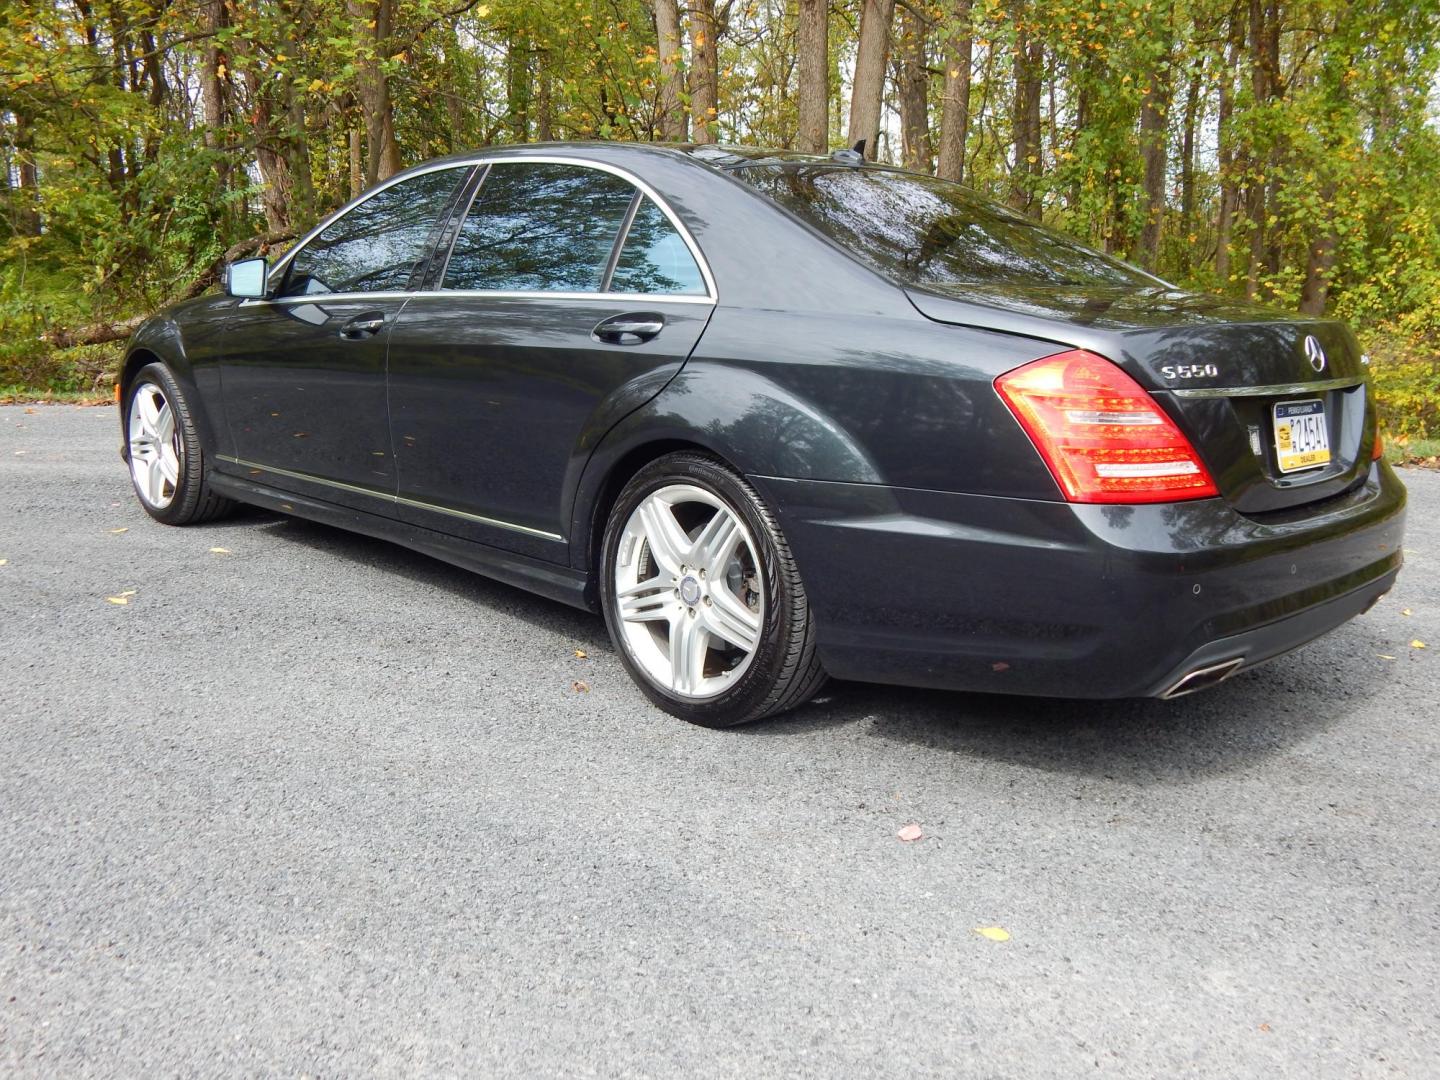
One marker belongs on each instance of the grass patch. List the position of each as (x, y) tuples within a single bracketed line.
[(1423, 452), (23, 395)]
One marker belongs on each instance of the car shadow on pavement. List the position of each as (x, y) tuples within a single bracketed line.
[(434, 573), (1256, 714)]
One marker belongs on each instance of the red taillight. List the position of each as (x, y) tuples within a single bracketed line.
[(1104, 438)]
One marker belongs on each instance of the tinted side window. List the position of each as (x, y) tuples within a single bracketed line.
[(376, 246), (655, 258), (536, 227)]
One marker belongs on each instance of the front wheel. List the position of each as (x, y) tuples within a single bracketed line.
[(167, 464), (702, 596)]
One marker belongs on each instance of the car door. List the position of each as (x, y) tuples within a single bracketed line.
[(303, 373), (570, 297)]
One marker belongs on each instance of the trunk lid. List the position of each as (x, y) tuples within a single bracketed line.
[(1218, 367)]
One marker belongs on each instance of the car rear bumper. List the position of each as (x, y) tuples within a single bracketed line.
[(925, 588)]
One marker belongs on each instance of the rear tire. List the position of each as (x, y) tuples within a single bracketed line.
[(167, 464), (702, 596)]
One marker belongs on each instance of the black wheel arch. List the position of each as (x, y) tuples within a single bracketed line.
[(732, 414)]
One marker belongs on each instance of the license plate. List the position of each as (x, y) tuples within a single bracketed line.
[(1302, 441)]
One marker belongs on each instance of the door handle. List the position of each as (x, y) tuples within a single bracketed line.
[(363, 326), (629, 329)]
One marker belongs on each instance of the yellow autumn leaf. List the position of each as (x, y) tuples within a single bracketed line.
[(483, 10), (1406, 611), (219, 551), (316, 85), (121, 600), (1418, 644), (117, 532), (579, 654), (3, 561), (993, 933)]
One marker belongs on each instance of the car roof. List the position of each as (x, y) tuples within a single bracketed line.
[(712, 154)]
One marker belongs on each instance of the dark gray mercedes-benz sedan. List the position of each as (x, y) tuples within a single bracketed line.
[(781, 417)]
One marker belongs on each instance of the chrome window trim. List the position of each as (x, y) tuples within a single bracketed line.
[(1275, 390), (363, 197), (430, 294), (398, 500), (712, 294)]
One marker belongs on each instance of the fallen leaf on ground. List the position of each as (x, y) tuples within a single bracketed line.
[(993, 933), (29, 412), (117, 532), (909, 834), (3, 561), (1405, 611), (219, 551), (580, 686), (580, 654), (1384, 656), (1418, 644), (19, 452), (118, 599), (1264, 1027)]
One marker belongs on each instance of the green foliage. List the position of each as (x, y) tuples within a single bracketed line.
[(1407, 388), (157, 135)]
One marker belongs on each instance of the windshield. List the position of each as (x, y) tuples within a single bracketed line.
[(924, 231)]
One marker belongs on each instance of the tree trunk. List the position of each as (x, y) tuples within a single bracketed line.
[(1028, 59), (26, 204), (517, 89), (212, 86), (914, 79), (1229, 189), (670, 112), (1260, 84), (357, 165), (372, 25), (869, 84), (812, 43), (1154, 153), (705, 75), (1320, 260), (297, 152), (955, 111), (545, 106), (1187, 167)]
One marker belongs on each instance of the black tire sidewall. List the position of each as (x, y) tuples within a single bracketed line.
[(745, 700), (190, 489)]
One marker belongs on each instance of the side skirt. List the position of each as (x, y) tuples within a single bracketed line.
[(562, 583)]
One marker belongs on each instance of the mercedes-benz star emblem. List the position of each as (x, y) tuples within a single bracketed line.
[(1314, 353), (690, 590)]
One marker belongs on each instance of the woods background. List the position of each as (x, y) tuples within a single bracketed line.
[(1283, 151)]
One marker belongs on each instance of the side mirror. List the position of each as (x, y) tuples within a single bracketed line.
[(247, 278)]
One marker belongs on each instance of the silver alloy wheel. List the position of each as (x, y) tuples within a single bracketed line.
[(154, 446), (689, 591)]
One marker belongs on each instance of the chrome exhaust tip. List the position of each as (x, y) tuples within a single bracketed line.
[(1203, 678)]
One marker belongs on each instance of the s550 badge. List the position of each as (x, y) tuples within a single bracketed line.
[(1189, 371)]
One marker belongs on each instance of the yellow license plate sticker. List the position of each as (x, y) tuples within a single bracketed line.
[(1302, 439)]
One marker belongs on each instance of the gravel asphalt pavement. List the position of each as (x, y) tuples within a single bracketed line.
[(307, 804)]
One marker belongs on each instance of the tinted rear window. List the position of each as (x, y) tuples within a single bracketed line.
[(655, 258), (925, 231)]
